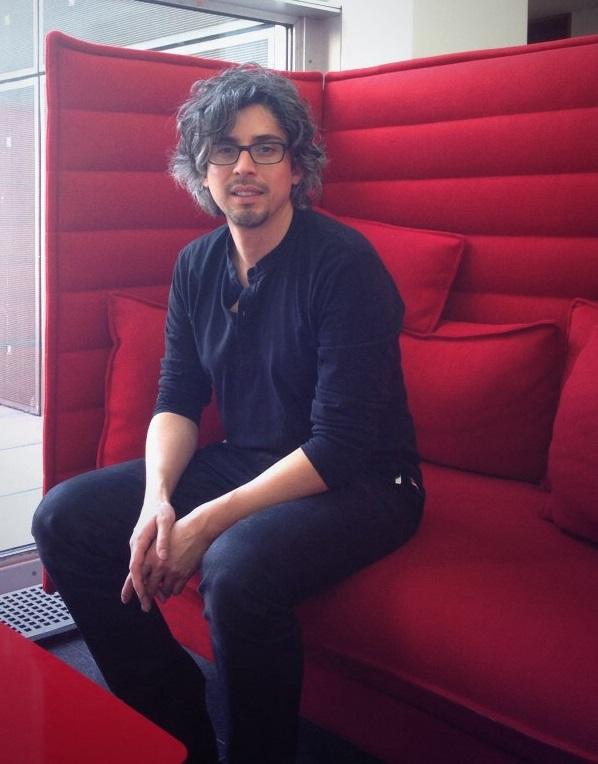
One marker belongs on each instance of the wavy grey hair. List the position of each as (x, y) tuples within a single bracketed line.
[(209, 114)]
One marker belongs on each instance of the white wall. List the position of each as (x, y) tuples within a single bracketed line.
[(584, 22), (376, 32), (458, 25), (380, 31)]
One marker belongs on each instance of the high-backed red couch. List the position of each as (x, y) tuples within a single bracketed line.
[(478, 641)]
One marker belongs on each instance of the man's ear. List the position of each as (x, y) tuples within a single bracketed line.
[(296, 174)]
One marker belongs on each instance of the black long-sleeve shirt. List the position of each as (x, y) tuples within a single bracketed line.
[(308, 358)]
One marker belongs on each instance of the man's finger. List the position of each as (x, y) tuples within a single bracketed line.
[(179, 586), (152, 582), (127, 590), (127, 593), (165, 519), (137, 577)]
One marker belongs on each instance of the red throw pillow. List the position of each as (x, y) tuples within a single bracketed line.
[(137, 330), (573, 456), (483, 397), (422, 263)]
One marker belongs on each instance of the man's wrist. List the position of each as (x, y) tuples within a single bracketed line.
[(212, 518), (156, 493)]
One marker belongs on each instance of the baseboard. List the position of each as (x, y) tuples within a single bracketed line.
[(20, 572)]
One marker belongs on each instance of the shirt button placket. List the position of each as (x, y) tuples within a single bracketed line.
[(244, 349)]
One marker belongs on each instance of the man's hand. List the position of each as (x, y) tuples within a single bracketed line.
[(188, 544), (149, 550), (165, 554)]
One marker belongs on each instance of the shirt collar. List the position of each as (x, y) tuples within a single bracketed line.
[(268, 261)]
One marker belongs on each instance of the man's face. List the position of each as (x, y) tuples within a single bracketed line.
[(250, 194)]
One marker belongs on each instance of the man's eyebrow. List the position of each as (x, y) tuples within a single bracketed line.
[(256, 139)]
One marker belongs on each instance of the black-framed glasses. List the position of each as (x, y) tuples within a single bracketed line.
[(266, 152)]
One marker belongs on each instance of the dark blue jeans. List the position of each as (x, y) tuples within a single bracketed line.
[(252, 577)]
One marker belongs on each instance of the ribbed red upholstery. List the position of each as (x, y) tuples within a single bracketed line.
[(477, 642), (498, 146)]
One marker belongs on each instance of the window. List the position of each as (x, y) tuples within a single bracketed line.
[(23, 26), (24, 23)]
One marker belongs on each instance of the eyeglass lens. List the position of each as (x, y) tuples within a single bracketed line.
[(261, 153)]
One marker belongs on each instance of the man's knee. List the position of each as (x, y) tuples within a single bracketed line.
[(56, 513), (91, 504), (222, 580)]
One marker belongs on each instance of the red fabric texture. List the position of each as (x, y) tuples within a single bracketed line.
[(509, 81), (573, 457), (423, 265), (478, 610), (583, 317), (483, 397), (137, 329)]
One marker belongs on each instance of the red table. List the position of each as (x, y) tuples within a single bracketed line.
[(51, 714)]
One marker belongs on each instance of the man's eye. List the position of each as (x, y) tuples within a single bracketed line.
[(225, 151), (265, 149)]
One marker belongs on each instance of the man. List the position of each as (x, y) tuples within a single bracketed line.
[(290, 319)]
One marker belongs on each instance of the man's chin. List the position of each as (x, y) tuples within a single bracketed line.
[(248, 218)]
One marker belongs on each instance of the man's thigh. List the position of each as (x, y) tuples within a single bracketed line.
[(101, 507), (293, 550)]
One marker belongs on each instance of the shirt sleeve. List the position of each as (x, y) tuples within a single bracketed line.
[(184, 387), (358, 315)]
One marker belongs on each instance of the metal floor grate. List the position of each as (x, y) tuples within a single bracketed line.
[(35, 614)]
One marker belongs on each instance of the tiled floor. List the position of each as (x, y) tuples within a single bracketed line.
[(20, 475)]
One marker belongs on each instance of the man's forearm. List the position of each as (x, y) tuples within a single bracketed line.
[(292, 477), (171, 442)]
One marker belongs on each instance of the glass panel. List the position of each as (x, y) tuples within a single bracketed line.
[(266, 45), (251, 52), (16, 35), (19, 303), (134, 23)]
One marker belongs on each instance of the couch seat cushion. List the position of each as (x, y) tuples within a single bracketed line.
[(478, 609)]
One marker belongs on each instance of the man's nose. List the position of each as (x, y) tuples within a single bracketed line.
[(244, 163)]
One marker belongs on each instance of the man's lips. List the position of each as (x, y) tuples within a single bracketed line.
[(243, 190)]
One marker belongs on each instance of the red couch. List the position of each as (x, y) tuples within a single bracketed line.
[(477, 642)]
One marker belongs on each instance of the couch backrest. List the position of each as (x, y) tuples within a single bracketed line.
[(499, 146)]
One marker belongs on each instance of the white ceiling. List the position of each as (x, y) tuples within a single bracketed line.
[(538, 9)]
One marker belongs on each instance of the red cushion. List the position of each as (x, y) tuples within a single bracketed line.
[(483, 397), (583, 317), (573, 457), (137, 329), (422, 263), (481, 603)]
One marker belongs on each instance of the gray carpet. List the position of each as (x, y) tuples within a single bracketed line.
[(316, 746)]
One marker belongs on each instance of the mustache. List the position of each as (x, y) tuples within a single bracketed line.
[(241, 184)]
